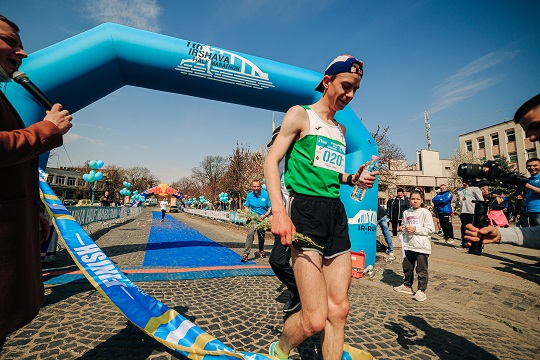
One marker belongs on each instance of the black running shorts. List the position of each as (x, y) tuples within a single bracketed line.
[(323, 220)]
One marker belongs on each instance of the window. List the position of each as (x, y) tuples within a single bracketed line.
[(531, 153), (468, 144), (494, 139), (481, 143), (60, 180), (71, 181), (511, 135), (513, 157)]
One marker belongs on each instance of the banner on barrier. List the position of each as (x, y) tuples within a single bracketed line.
[(85, 215)]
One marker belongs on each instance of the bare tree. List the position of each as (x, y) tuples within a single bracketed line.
[(115, 176), (244, 166), (139, 177), (391, 156), (209, 174), (189, 186)]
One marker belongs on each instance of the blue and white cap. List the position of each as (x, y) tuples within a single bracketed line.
[(342, 64)]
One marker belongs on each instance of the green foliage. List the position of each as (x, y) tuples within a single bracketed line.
[(254, 221)]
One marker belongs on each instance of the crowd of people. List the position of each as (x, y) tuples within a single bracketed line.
[(320, 274)]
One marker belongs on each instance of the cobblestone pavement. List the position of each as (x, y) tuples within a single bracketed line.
[(484, 307)]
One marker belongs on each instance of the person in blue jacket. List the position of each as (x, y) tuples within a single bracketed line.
[(443, 204)]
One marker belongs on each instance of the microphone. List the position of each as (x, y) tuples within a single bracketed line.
[(22, 79)]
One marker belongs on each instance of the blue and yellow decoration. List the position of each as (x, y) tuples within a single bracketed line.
[(153, 317)]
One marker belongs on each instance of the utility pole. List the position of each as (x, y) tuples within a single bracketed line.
[(428, 138)]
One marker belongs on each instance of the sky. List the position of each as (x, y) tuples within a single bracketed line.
[(469, 64)]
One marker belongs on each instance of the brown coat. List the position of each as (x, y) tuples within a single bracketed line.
[(21, 286)]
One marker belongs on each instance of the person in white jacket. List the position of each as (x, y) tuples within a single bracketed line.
[(416, 229)]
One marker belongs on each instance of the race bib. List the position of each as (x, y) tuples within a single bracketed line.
[(329, 154), (412, 220)]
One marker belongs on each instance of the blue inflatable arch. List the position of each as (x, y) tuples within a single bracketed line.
[(82, 69)]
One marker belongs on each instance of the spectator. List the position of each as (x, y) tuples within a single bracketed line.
[(496, 210), (234, 204), (528, 116), (467, 198), (258, 202), (532, 191), (522, 218), (396, 206), (382, 221), (22, 225), (443, 206), (106, 199), (417, 245)]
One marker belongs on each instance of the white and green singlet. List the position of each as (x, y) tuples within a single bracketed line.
[(314, 163)]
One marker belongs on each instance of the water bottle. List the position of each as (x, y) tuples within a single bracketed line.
[(358, 193)]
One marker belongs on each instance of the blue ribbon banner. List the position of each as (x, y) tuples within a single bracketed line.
[(150, 315)]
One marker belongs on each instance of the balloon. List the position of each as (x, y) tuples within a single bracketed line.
[(99, 175), (124, 183), (85, 177), (264, 186), (128, 192), (91, 177), (100, 164), (128, 185), (92, 164), (136, 192), (92, 172)]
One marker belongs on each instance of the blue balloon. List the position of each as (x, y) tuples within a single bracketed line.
[(91, 177), (99, 164), (99, 175), (92, 164), (85, 177)]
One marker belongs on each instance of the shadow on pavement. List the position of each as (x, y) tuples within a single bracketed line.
[(444, 344), (517, 268), (390, 277), (131, 340), (61, 292)]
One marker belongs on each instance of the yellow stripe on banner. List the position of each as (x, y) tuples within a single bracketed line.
[(63, 217), (155, 322), (200, 343), (50, 197)]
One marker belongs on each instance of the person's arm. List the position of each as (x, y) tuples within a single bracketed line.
[(266, 213), (534, 189), (294, 125), (489, 234), (24, 144), (527, 237)]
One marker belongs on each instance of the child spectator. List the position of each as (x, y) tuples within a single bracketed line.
[(418, 224)]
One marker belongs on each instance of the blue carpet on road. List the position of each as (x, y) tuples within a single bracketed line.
[(172, 243)]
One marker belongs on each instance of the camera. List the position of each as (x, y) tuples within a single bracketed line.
[(488, 173)]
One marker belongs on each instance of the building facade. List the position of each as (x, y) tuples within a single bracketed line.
[(67, 183), (506, 139), (428, 173)]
